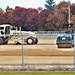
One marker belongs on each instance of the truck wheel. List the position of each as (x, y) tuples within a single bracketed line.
[(1, 41), (30, 41), (36, 41)]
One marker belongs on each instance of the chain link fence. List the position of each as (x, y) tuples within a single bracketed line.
[(41, 56)]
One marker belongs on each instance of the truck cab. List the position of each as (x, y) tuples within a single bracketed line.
[(4, 29)]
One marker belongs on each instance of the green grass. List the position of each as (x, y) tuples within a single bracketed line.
[(37, 73)]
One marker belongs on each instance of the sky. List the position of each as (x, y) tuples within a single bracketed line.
[(26, 3)]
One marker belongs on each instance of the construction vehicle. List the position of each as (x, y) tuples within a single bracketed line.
[(65, 40), (7, 32)]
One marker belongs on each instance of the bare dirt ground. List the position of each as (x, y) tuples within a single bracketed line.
[(34, 50), (36, 60), (42, 53)]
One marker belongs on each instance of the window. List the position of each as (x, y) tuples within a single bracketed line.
[(7, 30), (1, 28)]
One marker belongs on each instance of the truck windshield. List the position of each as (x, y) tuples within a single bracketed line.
[(1, 28)]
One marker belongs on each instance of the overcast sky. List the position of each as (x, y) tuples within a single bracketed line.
[(26, 3)]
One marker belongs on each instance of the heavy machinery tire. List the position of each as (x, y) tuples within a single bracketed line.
[(5, 42), (36, 41), (1, 41), (30, 40)]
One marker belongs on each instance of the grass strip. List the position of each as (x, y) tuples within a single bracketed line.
[(37, 73)]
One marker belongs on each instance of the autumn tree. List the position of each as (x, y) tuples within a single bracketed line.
[(2, 17), (19, 16), (51, 22), (1, 11), (72, 8), (42, 19), (38, 19), (62, 14), (9, 17), (32, 18), (73, 13)]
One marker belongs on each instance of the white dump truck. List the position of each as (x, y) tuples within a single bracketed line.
[(7, 33)]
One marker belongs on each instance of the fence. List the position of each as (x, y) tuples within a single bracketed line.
[(44, 55)]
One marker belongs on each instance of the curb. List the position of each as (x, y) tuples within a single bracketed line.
[(38, 68)]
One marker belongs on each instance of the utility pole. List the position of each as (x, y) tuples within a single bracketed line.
[(68, 11), (22, 49), (73, 33)]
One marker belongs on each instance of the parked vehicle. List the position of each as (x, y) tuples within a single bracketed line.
[(65, 40), (6, 33)]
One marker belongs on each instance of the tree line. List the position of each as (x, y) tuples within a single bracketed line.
[(38, 19)]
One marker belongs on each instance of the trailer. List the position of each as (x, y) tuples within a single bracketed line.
[(7, 32)]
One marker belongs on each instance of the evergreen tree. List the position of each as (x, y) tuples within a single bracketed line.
[(8, 8), (50, 5)]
